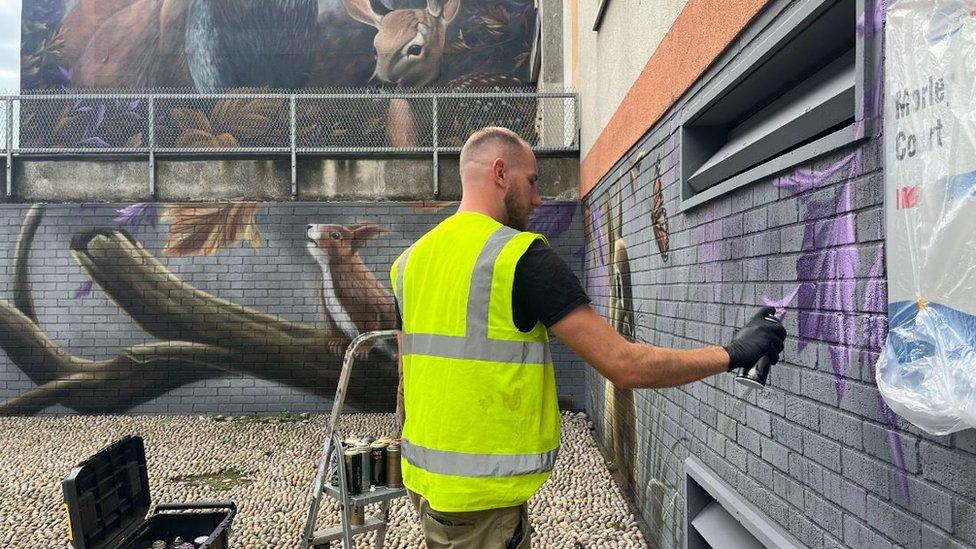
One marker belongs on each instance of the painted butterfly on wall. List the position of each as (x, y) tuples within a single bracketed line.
[(659, 219)]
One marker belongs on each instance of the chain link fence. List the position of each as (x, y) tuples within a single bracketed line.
[(357, 121)]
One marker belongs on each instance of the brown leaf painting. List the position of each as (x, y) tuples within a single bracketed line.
[(199, 229), (250, 117), (659, 219)]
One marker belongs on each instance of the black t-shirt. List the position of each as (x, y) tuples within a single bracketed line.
[(545, 289)]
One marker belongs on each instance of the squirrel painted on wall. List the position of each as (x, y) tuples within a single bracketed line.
[(353, 299)]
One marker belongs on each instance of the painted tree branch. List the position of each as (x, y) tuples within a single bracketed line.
[(208, 335), (138, 374), (22, 295)]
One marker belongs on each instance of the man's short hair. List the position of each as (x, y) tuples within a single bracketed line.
[(497, 136)]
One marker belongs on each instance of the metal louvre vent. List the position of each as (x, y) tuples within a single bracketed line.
[(794, 92), (716, 516)]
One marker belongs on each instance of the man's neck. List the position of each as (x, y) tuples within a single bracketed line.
[(484, 209)]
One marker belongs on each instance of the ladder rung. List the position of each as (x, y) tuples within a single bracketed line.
[(335, 532), (376, 495)]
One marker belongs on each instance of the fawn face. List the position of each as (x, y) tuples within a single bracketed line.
[(410, 42)]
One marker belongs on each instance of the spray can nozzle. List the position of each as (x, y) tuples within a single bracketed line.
[(755, 375)]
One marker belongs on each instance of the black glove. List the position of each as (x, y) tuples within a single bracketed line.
[(758, 338)]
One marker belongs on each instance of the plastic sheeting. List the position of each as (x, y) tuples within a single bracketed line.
[(927, 369)]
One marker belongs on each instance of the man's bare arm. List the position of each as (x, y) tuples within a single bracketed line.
[(634, 365)]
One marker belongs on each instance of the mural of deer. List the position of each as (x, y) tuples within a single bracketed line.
[(409, 42), (409, 45)]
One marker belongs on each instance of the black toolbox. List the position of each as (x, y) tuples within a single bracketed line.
[(107, 501)]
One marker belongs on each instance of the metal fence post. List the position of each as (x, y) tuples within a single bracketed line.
[(294, 159), (9, 144), (437, 178), (579, 131), (152, 146)]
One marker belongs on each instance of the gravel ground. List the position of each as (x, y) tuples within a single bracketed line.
[(266, 466)]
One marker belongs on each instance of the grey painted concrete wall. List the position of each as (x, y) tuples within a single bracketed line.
[(273, 274), (817, 451), (209, 179)]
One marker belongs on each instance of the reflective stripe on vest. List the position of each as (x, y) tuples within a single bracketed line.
[(476, 345), (477, 465)]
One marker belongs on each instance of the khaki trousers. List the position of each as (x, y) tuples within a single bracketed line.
[(505, 528)]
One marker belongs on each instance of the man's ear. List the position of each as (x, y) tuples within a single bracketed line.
[(498, 173)]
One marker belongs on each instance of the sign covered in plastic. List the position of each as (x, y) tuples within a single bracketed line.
[(927, 369)]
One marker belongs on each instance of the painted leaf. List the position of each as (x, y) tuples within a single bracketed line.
[(83, 290), (99, 116), (659, 219), (225, 141), (134, 141), (135, 215), (94, 142), (249, 117), (195, 138), (190, 119), (206, 229)]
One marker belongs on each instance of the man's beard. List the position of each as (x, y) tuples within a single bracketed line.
[(518, 217)]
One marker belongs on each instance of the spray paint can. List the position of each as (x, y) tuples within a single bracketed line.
[(755, 376), (354, 470), (377, 458), (394, 479), (357, 515), (367, 469)]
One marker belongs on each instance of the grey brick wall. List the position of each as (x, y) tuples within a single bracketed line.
[(817, 451), (279, 278)]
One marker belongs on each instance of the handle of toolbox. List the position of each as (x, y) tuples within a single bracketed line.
[(218, 504)]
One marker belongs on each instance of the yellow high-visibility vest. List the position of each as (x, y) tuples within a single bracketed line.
[(482, 416)]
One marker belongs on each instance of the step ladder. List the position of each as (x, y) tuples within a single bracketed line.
[(332, 464)]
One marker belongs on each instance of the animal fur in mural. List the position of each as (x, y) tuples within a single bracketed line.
[(199, 335), (210, 44), (353, 300), (409, 42), (620, 411)]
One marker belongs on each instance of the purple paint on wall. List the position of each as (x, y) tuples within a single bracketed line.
[(83, 290), (827, 264), (136, 215), (781, 304), (552, 218), (709, 234), (894, 440), (596, 226), (868, 26), (875, 299), (802, 180)]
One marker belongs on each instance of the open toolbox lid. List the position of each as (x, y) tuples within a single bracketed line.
[(107, 495)]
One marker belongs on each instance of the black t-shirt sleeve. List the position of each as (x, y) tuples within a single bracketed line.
[(545, 288)]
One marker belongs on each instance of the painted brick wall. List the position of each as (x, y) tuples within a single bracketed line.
[(249, 355), (817, 451)]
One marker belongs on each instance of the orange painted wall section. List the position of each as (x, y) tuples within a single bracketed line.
[(701, 32)]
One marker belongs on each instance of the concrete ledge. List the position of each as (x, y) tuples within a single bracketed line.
[(213, 179), (108, 180), (210, 179), (365, 178)]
